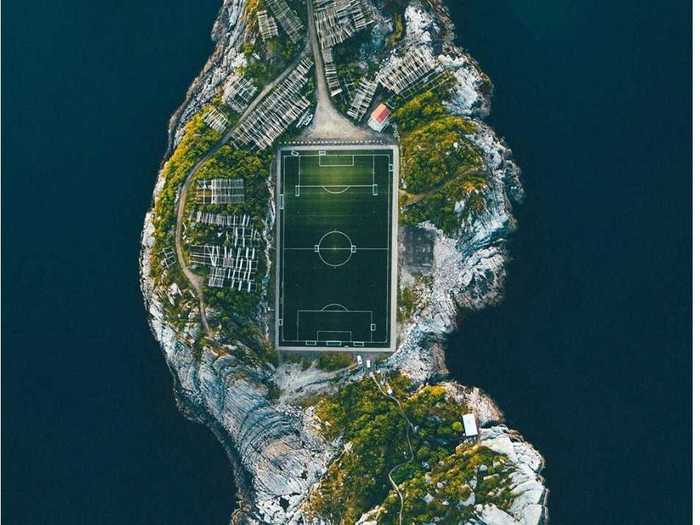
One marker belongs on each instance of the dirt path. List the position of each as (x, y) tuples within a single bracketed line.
[(194, 279), (327, 122), (409, 427)]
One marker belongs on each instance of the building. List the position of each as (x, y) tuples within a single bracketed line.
[(411, 72), (277, 111), (379, 118), (417, 246), (238, 93), (287, 18), (362, 99), (267, 26), (470, 429), (216, 120)]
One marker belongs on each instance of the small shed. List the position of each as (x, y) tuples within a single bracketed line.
[(379, 118), (417, 247), (470, 429)]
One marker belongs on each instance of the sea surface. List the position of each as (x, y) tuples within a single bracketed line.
[(91, 433), (588, 354)]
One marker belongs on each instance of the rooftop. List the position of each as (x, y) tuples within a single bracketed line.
[(381, 113), (469, 422)]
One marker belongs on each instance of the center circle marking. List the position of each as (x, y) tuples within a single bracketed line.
[(335, 248)]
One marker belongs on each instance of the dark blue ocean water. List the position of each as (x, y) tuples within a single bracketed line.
[(588, 355), (91, 434)]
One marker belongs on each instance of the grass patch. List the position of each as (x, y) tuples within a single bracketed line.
[(331, 361), (373, 429), (437, 152), (197, 140), (423, 108), (397, 34), (408, 302), (443, 173), (444, 494)]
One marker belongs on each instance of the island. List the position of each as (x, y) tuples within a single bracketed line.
[(330, 200)]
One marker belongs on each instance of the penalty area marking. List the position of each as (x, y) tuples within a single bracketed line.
[(334, 310), (334, 188), (344, 239), (322, 164)]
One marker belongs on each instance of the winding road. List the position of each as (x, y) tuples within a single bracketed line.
[(409, 427), (194, 279), (327, 122)]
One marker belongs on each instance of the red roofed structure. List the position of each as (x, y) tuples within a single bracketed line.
[(379, 117)]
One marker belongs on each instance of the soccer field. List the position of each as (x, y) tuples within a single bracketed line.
[(336, 238)]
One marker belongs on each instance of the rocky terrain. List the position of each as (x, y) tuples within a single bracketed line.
[(266, 413)]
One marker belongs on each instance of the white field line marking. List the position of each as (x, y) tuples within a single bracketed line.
[(370, 312), (327, 339), (390, 167), (330, 165), (337, 249)]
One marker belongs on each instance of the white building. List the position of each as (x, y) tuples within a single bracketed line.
[(470, 429), (379, 118)]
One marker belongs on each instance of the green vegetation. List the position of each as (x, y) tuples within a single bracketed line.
[(303, 359), (437, 152), (440, 166), (374, 430), (440, 206), (419, 110), (443, 172), (331, 361), (266, 60), (228, 162), (369, 422), (224, 108), (408, 301), (398, 32), (443, 494), (250, 10), (198, 139), (328, 361)]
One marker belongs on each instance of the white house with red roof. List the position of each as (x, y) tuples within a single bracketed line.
[(379, 118)]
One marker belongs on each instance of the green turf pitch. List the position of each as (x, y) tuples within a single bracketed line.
[(336, 248)]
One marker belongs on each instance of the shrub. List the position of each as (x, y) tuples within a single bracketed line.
[(423, 108), (437, 152), (441, 167), (198, 139), (330, 361), (374, 428)]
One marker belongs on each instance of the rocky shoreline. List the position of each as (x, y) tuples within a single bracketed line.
[(277, 453)]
